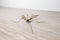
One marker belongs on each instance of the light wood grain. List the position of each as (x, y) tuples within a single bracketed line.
[(48, 29)]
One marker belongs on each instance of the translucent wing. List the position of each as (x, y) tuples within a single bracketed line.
[(34, 16), (23, 17)]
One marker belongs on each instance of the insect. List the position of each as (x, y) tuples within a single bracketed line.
[(29, 19)]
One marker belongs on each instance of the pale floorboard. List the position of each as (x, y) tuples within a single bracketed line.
[(48, 29)]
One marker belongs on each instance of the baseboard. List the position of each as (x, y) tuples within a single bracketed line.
[(30, 8)]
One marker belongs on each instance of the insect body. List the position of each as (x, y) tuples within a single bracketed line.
[(29, 19)]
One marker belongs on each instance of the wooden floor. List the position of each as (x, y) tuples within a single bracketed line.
[(47, 29)]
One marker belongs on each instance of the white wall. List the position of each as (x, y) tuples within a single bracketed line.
[(51, 5)]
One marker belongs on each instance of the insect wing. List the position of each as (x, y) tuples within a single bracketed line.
[(23, 17), (34, 16)]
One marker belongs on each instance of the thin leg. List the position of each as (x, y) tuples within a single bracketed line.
[(31, 28)]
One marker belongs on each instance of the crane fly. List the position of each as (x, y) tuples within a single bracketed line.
[(29, 19)]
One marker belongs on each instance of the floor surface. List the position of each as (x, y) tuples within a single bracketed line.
[(47, 29)]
